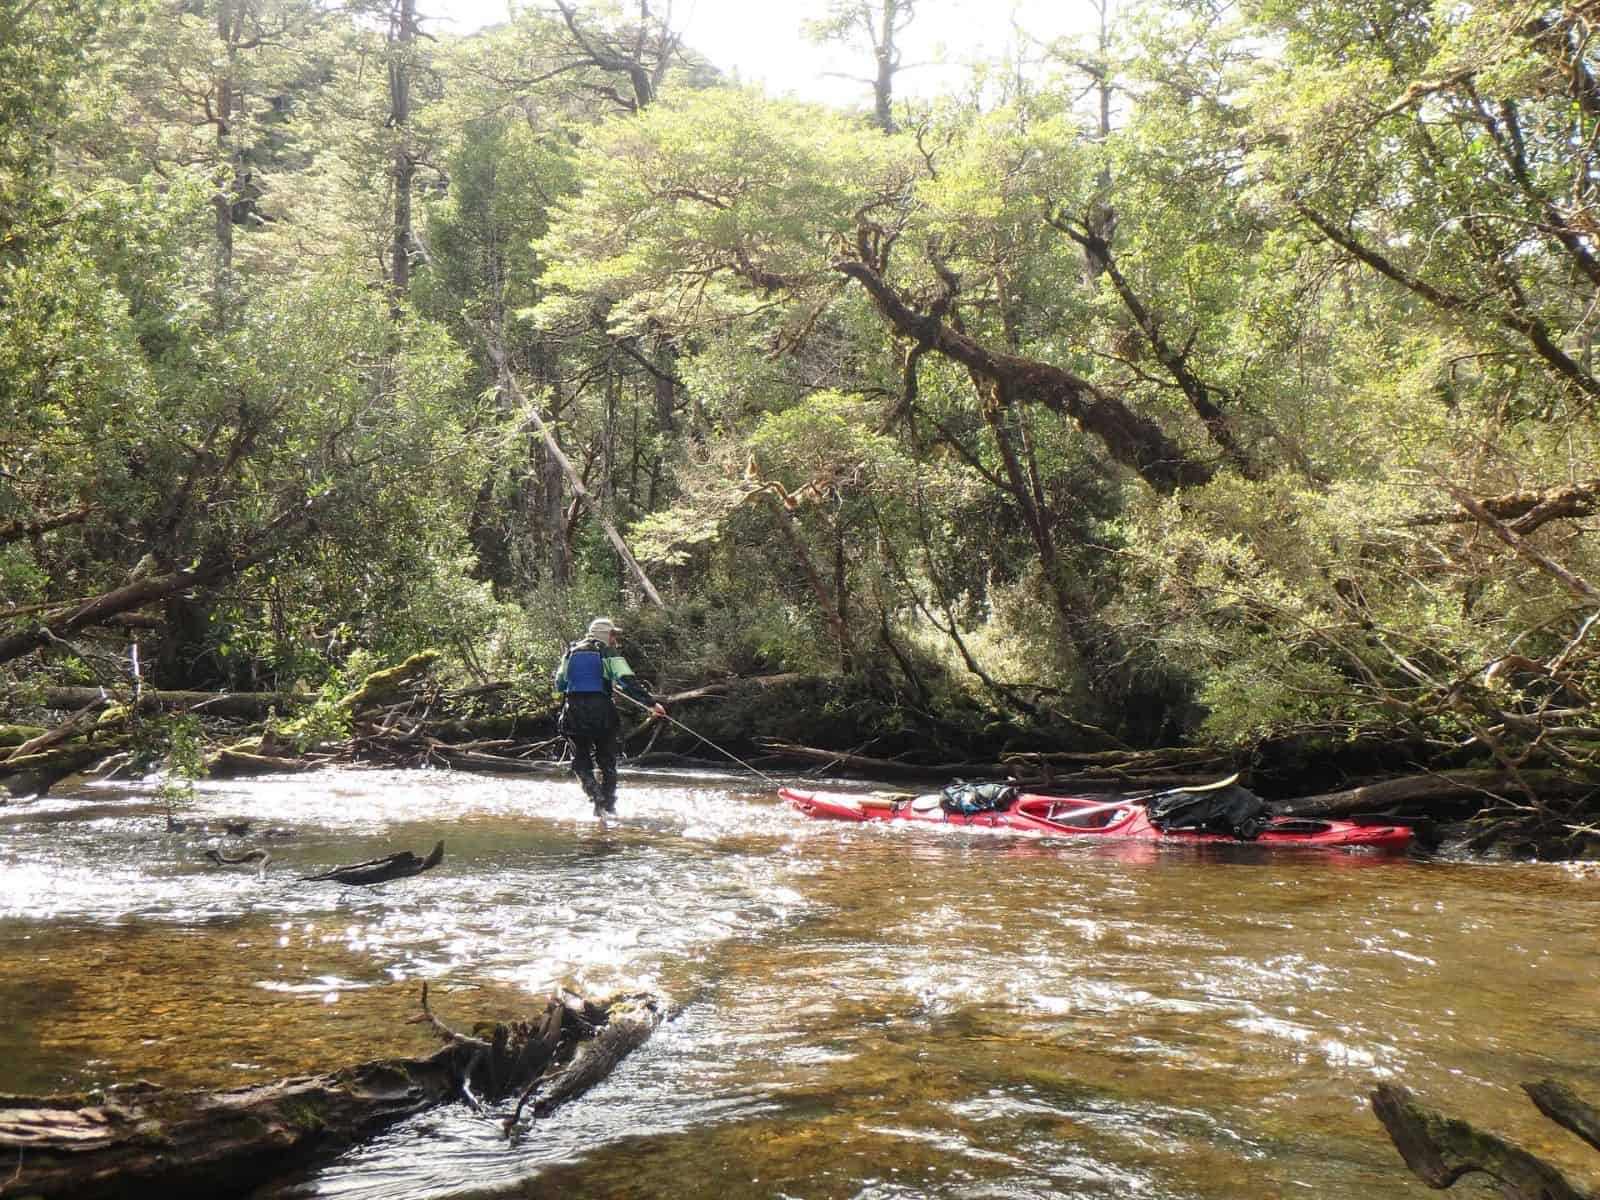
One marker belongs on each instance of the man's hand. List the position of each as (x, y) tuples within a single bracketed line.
[(660, 710)]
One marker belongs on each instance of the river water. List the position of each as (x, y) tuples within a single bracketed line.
[(859, 1011)]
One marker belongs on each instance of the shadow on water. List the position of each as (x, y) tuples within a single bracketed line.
[(863, 1010)]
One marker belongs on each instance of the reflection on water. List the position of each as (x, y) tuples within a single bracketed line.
[(863, 1011)]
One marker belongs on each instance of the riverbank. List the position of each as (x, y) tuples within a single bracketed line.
[(404, 715)]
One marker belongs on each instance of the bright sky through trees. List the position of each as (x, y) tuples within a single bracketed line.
[(761, 40)]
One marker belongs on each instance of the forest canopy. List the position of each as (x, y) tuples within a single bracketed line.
[(1223, 375)]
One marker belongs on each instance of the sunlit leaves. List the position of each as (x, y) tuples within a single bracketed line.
[(717, 199)]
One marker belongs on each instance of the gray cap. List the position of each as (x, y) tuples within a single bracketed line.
[(603, 626)]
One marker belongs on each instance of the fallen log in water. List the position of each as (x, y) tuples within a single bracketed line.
[(139, 1139), (1472, 789), (231, 761), (381, 870), (243, 706), (36, 774), (477, 760), (1442, 1150)]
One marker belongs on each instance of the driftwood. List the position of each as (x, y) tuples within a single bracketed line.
[(1441, 1150), (627, 1025), (379, 870), (139, 1139)]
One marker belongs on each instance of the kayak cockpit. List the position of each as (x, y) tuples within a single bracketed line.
[(1071, 814)]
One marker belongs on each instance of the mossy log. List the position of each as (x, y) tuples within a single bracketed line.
[(36, 774), (1441, 1150), (386, 686), (143, 1140), (82, 720)]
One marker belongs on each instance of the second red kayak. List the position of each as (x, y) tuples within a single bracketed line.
[(1079, 816)]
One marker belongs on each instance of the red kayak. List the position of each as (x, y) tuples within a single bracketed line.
[(1079, 816)]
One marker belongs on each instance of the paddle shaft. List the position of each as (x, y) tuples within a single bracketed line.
[(1146, 797), (1100, 808)]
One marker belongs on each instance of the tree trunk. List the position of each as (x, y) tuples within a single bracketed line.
[(1129, 437), (665, 390), (402, 37), (227, 154), (498, 357), (1474, 788)]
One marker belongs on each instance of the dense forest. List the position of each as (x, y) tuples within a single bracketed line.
[(1223, 377)]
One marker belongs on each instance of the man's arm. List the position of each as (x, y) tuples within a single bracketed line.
[(624, 680)]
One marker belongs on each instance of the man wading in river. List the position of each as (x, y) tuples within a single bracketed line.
[(589, 717)]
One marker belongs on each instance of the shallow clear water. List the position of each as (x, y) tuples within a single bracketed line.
[(861, 1011)]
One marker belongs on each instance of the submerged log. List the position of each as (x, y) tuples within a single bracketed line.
[(1441, 1150), (380, 870), (1566, 1108), (139, 1139)]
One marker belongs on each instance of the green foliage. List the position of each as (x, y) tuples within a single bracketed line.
[(176, 742), (834, 384), (323, 723), (44, 47), (702, 191)]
